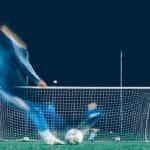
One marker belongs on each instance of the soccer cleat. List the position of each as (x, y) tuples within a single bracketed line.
[(54, 141), (49, 138)]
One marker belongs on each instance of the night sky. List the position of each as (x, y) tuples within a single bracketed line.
[(80, 43)]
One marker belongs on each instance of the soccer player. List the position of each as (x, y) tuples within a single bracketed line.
[(93, 116), (14, 67)]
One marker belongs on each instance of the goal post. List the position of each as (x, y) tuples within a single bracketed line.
[(126, 111)]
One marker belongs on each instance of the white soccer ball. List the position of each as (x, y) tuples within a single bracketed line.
[(74, 136), (117, 139)]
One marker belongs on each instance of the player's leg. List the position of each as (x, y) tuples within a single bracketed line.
[(34, 114), (37, 117), (55, 119)]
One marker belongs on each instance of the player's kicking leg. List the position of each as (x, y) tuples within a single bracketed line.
[(56, 121), (35, 115)]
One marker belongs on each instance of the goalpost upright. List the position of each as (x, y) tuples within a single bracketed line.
[(121, 102), (121, 85)]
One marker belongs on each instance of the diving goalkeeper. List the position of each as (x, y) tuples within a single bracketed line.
[(91, 119), (93, 116), (14, 67)]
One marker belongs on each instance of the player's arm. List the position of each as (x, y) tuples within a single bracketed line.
[(22, 62), (12, 36)]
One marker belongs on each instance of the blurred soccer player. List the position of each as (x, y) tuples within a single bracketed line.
[(91, 119), (93, 116), (14, 67)]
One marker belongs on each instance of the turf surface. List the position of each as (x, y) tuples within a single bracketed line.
[(13, 145)]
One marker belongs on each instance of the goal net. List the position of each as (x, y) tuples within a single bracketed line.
[(124, 112)]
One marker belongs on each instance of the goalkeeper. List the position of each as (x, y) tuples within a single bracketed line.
[(91, 119), (14, 67)]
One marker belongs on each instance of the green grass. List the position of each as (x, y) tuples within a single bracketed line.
[(13, 145)]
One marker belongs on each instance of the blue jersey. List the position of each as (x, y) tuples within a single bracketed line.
[(14, 65), (14, 68), (94, 115)]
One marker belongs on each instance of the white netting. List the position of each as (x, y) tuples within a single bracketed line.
[(126, 111)]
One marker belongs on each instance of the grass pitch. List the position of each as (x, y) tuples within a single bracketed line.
[(14, 145)]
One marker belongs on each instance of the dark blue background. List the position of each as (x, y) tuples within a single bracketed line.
[(80, 43)]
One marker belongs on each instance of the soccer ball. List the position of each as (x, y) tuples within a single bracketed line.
[(74, 136)]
